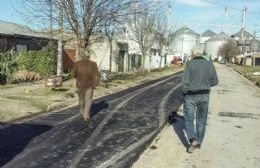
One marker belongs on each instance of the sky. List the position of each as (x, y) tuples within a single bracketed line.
[(198, 15), (201, 15)]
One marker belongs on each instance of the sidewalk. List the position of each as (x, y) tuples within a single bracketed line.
[(232, 136)]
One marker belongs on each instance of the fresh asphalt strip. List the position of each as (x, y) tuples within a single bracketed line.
[(120, 128)]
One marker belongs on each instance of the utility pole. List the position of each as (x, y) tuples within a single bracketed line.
[(169, 15), (169, 27), (254, 44), (242, 33), (60, 41), (226, 18), (243, 21), (50, 4)]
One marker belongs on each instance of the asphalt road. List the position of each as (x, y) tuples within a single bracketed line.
[(121, 127)]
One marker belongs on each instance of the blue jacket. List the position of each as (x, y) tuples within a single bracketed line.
[(199, 75)]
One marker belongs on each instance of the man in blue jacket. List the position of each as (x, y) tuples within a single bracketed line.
[(199, 75)]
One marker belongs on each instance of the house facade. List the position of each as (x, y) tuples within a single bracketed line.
[(19, 38), (206, 36), (183, 41), (213, 44), (100, 53)]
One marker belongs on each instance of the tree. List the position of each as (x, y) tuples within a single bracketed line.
[(229, 50), (85, 18), (141, 31), (162, 37)]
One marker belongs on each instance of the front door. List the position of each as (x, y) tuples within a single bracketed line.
[(121, 58)]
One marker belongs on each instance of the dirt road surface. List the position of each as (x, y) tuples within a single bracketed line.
[(232, 137)]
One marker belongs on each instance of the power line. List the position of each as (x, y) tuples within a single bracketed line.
[(229, 6)]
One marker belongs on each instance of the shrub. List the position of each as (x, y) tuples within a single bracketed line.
[(42, 62), (8, 65)]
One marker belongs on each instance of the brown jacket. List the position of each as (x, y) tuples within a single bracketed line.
[(86, 73)]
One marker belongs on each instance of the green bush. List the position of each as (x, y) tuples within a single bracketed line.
[(42, 62), (8, 65)]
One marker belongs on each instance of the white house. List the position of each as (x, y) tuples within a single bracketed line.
[(183, 41), (213, 44), (206, 36)]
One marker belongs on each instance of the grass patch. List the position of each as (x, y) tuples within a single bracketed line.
[(48, 91), (2, 118), (118, 79), (60, 89), (7, 86), (248, 72), (161, 69), (38, 103)]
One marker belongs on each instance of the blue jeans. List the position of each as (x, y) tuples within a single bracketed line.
[(196, 104)]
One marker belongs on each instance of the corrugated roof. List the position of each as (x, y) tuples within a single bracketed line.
[(246, 34), (208, 33), (8, 28), (185, 30), (220, 37)]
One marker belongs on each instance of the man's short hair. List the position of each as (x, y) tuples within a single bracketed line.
[(197, 51)]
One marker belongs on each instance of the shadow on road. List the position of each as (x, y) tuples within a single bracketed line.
[(97, 107), (178, 125), (14, 138)]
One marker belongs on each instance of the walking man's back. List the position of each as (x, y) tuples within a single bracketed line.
[(199, 75), (87, 79)]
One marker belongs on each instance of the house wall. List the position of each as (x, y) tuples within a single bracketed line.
[(155, 60), (203, 42), (212, 48), (9, 42), (100, 53), (69, 57), (184, 43), (248, 61)]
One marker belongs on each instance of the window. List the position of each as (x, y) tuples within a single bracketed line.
[(21, 47)]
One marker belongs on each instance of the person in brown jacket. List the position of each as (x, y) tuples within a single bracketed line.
[(87, 79)]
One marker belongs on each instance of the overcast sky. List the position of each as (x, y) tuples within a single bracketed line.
[(199, 15)]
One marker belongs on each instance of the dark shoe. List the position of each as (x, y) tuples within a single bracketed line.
[(171, 119), (198, 146)]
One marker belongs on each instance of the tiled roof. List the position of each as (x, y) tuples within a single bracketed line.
[(8, 28), (221, 36), (208, 33), (185, 30), (246, 34)]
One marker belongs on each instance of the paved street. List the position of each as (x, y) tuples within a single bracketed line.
[(232, 136), (121, 126)]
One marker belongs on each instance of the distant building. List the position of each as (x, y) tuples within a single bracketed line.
[(100, 53), (246, 42), (183, 41), (255, 45), (246, 35), (213, 44), (14, 36), (206, 36)]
